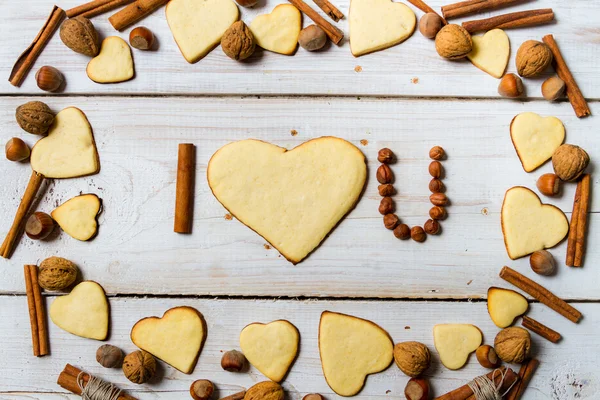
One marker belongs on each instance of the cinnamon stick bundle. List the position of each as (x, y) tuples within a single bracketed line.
[(512, 20), (68, 380), (37, 315), (184, 198), (334, 33), (525, 375), (421, 5), (464, 392), (541, 329), (329, 9), (463, 8), (134, 12)]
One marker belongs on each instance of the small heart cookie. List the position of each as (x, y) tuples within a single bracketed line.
[(491, 52), (83, 312), (278, 31), (535, 138), (505, 305), (352, 348), (271, 348), (78, 216), (528, 225), (379, 24), (176, 338), (113, 64), (454, 343)]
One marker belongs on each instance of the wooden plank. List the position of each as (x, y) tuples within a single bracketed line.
[(566, 369), (410, 69), (137, 252)]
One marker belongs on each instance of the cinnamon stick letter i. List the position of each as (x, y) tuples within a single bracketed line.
[(184, 199)]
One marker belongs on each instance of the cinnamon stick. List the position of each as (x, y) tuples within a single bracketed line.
[(463, 8), (572, 89), (79, 10), (106, 8), (28, 57), (584, 206), (512, 20), (541, 329), (40, 312), (525, 374), (464, 392), (235, 396), (570, 261), (184, 199), (134, 12), (421, 5), (68, 380), (329, 9), (35, 333), (35, 181), (540, 293), (334, 33)]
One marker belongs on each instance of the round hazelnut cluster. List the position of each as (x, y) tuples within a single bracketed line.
[(385, 177)]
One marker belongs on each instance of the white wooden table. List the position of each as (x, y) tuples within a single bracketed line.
[(406, 98)]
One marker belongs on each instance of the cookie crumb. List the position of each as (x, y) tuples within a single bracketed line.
[(364, 142), (484, 211), (407, 327), (415, 80), (267, 247), (358, 68), (228, 217), (294, 132), (471, 281)]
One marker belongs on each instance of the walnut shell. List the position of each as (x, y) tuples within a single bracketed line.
[(413, 358), (139, 366), (57, 273), (34, 117), (453, 42), (533, 58), (569, 162), (512, 345), (238, 42), (265, 391), (79, 35)]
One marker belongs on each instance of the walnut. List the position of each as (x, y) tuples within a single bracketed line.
[(265, 391), (109, 356), (139, 366), (34, 117), (569, 162), (79, 35), (533, 58), (453, 42), (413, 358), (512, 344), (238, 42), (57, 273)]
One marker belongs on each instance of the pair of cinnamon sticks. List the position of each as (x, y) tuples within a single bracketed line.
[(578, 226), (37, 314), (525, 374)]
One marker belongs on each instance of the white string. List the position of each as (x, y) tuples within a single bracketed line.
[(484, 388), (97, 389)]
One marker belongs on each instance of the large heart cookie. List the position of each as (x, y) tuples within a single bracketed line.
[(379, 24), (83, 312), (176, 338), (113, 64), (352, 348), (291, 198), (528, 225), (279, 30), (491, 52), (454, 343), (77, 216), (69, 149), (198, 25), (535, 138), (271, 348)]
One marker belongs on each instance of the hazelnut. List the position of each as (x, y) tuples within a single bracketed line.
[(487, 357), (402, 232), (247, 3), (384, 174), (386, 190), (436, 186), (39, 226), (141, 38), (391, 221), (418, 234), (438, 199), (57, 273), (413, 358), (511, 86), (34, 117), (79, 35), (438, 213), (437, 153), (265, 391), (553, 88), (569, 162), (548, 184), (533, 58), (238, 42), (233, 361), (313, 396), (49, 78), (430, 24), (109, 356), (386, 206), (312, 38), (512, 345), (417, 389), (542, 262), (431, 227), (385, 156), (202, 389), (139, 366), (16, 150), (435, 169), (453, 42)]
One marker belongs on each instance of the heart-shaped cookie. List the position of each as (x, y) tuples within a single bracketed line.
[(352, 348), (535, 138), (176, 338), (491, 52), (83, 312), (113, 64), (291, 198), (528, 225), (454, 343), (278, 31), (505, 305), (271, 348), (78, 216), (69, 149), (379, 24), (197, 26)]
